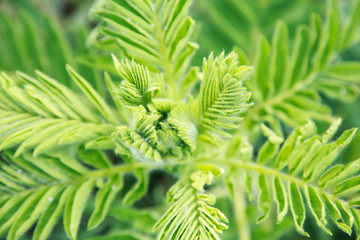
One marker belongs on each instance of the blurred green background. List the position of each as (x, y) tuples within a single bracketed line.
[(47, 34)]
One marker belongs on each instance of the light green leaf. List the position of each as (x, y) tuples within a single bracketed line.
[(264, 200), (75, 206), (140, 188), (92, 95), (281, 199), (317, 207), (222, 97), (29, 213), (104, 198), (297, 208), (51, 215), (348, 71), (349, 186)]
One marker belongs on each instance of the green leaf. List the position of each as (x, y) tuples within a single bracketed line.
[(140, 188), (42, 114), (191, 216), (348, 71), (157, 35), (349, 186), (9, 209), (264, 200), (317, 207), (137, 87), (335, 214), (94, 158), (333, 190), (28, 214), (181, 120), (140, 219), (92, 95), (297, 208), (123, 235), (347, 171), (281, 199), (222, 97), (75, 206), (51, 215), (104, 197), (286, 70), (327, 154)]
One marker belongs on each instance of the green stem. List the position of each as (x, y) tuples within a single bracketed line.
[(97, 174), (242, 224), (167, 65), (117, 169), (275, 172), (255, 111)]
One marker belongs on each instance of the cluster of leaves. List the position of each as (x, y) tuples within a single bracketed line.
[(254, 17), (304, 164), (288, 83), (53, 135), (190, 216)]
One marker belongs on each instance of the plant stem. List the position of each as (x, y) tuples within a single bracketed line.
[(167, 65), (242, 224), (116, 169), (275, 172)]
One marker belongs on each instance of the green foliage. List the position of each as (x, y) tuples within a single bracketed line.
[(19, 42), (67, 152), (245, 19), (302, 170), (222, 97), (42, 114), (290, 77), (156, 34), (23, 32), (136, 89), (46, 187), (191, 216)]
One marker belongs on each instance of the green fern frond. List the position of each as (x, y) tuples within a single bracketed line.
[(301, 173), (44, 188), (19, 42), (23, 50), (42, 114), (290, 77), (166, 133), (137, 88), (231, 23), (191, 216), (156, 34), (222, 97), (161, 129)]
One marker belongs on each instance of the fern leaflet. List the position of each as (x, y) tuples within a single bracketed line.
[(156, 34), (191, 216), (308, 175), (42, 114), (288, 82), (222, 95)]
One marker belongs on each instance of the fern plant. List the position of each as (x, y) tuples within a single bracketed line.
[(240, 126)]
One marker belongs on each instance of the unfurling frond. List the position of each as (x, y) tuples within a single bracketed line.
[(301, 173), (290, 78), (223, 98), (166, 133), (156, 34), (136, 88), (161, 129), (191, 215), (42, 114)]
